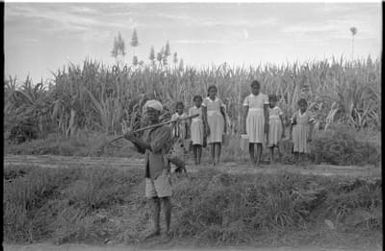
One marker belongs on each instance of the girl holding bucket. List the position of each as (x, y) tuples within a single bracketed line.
[(256, 121)]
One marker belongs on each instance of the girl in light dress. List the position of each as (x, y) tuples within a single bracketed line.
[(256, 121), (214, 121), (197, 129), (276, 127), (179, 128), (301, 129)]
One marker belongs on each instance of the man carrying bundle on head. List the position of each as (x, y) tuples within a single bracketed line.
[(155, 144)]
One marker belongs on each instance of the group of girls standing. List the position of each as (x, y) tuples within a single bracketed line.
[(262, 123)]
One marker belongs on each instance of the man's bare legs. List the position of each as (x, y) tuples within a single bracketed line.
[(166, 204), (155, 213)]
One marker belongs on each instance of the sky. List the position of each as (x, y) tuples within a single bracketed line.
[(43, 37)]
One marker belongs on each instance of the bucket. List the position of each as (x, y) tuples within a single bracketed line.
[(187, 145), (244, 142), (225, 139)]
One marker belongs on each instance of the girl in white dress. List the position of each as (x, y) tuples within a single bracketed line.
[(179, 129), (256, 121), (214, 120), (197, 129), (301, 130), (276, 127)]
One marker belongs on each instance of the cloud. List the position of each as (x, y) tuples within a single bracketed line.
[(245, 34), (196, 20), (57, 17), (333, 29), (31, 40), (200, 41), (232, 42)]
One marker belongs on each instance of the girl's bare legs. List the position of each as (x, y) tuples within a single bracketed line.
[(272, 154), (252, 153), (218, 149), (259, 154), (296, 155), (195, 150), (302, 158), (212, 145), (199, 153), (279, 154)]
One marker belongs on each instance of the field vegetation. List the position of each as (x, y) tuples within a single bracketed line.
[(83, 106), (90, 103), (106, 205)]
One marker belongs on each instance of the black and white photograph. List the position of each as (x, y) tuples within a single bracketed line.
[(192, 125)]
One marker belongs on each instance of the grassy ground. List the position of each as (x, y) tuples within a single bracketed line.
[(211, 208)]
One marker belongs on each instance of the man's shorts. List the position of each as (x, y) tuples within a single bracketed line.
[(160, 187)]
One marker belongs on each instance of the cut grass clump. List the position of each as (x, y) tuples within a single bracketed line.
[(356, 203), (235, 209), (240, 209), (339, 146), (43, 202)]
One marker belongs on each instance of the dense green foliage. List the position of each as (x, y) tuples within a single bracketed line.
[(98, 98)]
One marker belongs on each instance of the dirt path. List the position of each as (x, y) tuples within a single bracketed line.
[(51, 161)]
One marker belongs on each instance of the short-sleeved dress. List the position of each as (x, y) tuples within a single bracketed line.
[(301, 131), (255, 121), (215, 119), (180, 130), (275, 126), (196, 127)]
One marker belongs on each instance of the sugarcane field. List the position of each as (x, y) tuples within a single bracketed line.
[(192, 126)]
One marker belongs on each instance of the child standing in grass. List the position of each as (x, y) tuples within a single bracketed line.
[(256, 120), (276, 127), (214, 121), (301, 129), (197, 129), (179, 129)]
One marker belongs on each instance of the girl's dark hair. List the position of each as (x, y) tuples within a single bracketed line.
[(255, 82), (197, 97), (272, 97), (212, 87), (178, 104), (302, 101)]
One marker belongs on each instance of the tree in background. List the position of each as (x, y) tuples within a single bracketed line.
[(134, 43), (175, 59), (354, 32), (135, 60), (152, 55), (118, 49), (159, 56), (181, 65)]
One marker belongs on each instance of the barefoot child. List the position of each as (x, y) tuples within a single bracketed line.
[(301, 129), (214, 120), (179, 128), (276, 127), (256, 120), (197, 129)]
